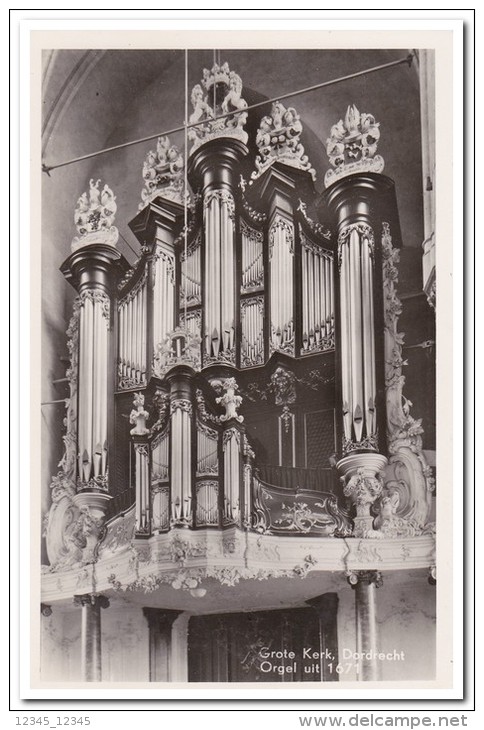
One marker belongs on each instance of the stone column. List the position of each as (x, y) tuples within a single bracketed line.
[(160, 622), (91, 605), (326, 607), (365, 583)]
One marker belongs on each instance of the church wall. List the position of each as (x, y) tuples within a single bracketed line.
[(406, 619), (125, 648)]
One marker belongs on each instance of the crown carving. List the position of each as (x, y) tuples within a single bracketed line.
[(163, 173), (94, 217), (219, 93), (279, 140), (352, 146)]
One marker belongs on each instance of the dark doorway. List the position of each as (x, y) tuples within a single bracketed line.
[(289, 645)]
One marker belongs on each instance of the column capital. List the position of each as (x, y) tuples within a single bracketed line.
[(95, 267), (365, 577), (45, 610), (91, 599), (160, 619), (212, 166)]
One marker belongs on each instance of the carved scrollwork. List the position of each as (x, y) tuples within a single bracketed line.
[(280, 511), (71, 531)]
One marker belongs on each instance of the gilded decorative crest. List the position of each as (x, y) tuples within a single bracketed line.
[(94, 217), (279, 140), (219, 94), (352, 146), (163, 173)]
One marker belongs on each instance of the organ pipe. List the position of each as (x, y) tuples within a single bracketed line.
[(181, 482), (316, 292), (219, 327), (281, 255), (357, 334)]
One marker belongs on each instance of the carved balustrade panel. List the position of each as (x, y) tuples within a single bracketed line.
[(279, 511)]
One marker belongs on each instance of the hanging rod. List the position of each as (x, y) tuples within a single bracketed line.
[(408, 60)]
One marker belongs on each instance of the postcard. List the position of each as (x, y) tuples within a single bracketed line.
[(241, 291)]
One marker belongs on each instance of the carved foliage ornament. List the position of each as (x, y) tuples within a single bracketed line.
[(223, 197), (202, 408), (279, 140), (316, 228), (94, 217), (281, 224), (96, 296), (181, 404), (352, 146), (364, 231), (68, 463), (163, 173), (408, 471)]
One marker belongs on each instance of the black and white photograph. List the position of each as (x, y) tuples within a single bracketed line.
[(237, 481)]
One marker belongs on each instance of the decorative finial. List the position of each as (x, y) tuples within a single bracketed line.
[(230, 401), (279, 140), (352, 146), (138, 416), (94, 217), (218, 83), (163, 173)]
